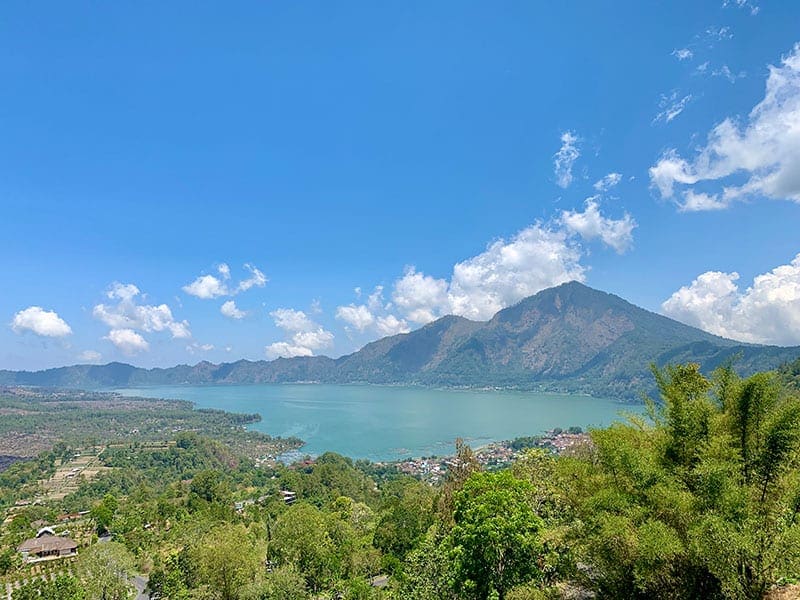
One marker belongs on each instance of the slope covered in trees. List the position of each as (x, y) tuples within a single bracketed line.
[(698, 499)]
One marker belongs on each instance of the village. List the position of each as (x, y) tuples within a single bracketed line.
[(496, 455)]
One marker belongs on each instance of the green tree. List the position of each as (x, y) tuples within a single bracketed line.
[(62, 587), (103, 512), (228, 560), (106, 569), (494, 542), (300, 537), (284, 583)]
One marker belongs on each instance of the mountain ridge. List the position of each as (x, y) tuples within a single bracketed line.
[(568, 338)]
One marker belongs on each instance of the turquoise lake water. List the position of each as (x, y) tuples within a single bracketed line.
[(389, 423)]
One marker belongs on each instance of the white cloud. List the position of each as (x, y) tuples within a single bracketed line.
[(507, 271), (725, 71), (767, 312), (717, 34), (671, 106), (291, 320), (305, 336), (256, 279), (41, 322), (374, 316), (391, 325), (607, 182), (753, 7), (122, 291), (356, 316), (759, 157), (208, 287), (90, 356), (230, 310), (127, 314), (565, 158), (127, 341), (590, 224), (695, 201), (286, 350), (536, 258), (127, 319), (313, 340), (421, 297), (196, 347), (682, 53), (540, 256)]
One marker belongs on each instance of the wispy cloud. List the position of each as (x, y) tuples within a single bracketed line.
[(607, 182), (750, 5), (682, 53), (671, 106), (565, 158), (759, 156)]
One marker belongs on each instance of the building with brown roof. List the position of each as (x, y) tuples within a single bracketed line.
[(47, 546)]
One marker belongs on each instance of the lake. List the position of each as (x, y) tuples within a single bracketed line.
[(390, 423)]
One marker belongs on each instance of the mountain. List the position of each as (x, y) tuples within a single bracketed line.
[(568, 338)]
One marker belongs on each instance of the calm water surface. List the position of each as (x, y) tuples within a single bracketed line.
[(388, 423)]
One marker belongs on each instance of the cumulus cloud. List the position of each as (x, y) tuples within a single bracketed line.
[(538, 257), (608, 182), (671, 106), (208, 287), (421, 297), (90, 356), (291, 320), (286, 350), (127, 341), (127, 314), (122, 291), (565, 158), (230, 310), (128, 319), (45, 323), (304, 335), (372, 316), (391, 325), (590, 224), (767, 312), (358, 317), (759, 156), (682, 53)]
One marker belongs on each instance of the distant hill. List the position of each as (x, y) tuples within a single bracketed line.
[(568, 338)]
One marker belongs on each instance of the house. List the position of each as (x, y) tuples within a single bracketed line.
[(288, 497), (47, 546)]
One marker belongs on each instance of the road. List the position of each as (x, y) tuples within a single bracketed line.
[(140, 583)]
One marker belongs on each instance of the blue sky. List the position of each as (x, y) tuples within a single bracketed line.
[(164, 163)]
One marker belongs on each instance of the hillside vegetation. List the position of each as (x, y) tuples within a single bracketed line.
[(701, 499)]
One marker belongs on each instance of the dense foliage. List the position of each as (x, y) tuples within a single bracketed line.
[(700, 498)]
